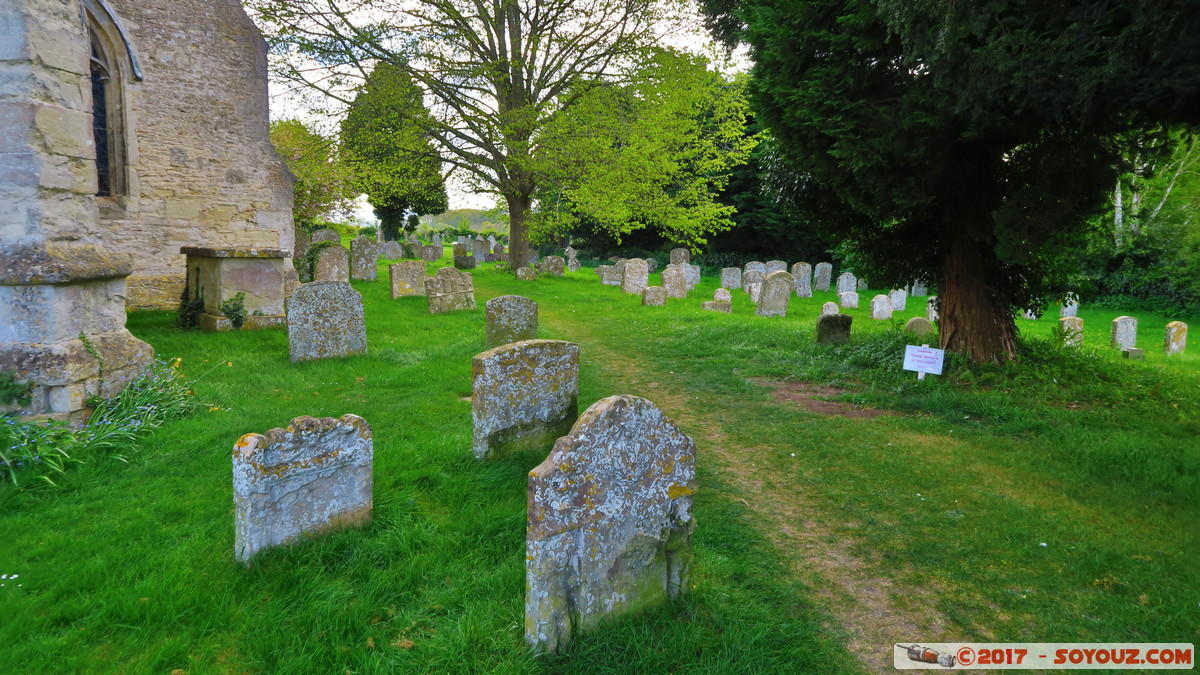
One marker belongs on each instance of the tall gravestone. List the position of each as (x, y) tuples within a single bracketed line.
[(849, 299), (846, 283), (290, 483), (731, 278), (524, 396), (833, 328), (480, 248), (609, 522), (692, 274), (775, 293), (775, 266), (899, 299), (636, 276), (333, 264), (407, 278), (325, 321), (1124, 332), (510, 318), (681, 256), (821, 277), (302, 241), (931, 309), (363, 255), (449, 290), (1175, 338), (1071, 328), (802, 275), (675, 282), (919, 289), (881, 307)]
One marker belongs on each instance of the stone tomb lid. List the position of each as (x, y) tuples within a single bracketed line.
[(207, 252)]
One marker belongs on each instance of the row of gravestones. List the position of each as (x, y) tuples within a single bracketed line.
[(1123, 335), (609, 521), (469, 254)]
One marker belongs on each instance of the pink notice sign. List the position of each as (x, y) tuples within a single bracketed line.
[(923, 359)]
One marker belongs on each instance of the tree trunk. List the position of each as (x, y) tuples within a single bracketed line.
[(518, 231), (975, 319)]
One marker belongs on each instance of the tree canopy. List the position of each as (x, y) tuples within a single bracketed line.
[(323, 185), (964, 142)]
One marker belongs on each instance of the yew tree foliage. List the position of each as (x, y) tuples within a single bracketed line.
[(967, 142), (385, 140)]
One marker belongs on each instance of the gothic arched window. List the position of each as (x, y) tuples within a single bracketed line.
[(112, 60)]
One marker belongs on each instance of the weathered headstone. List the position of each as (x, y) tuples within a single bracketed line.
[(919, 289), (326, 235), (830, 308), (325, 321), (464, 262), (554, 265), (1175, 338), (363, 255), (461, 241), (849, 299), (1124, 332), (931, 309), (918, 326), (392, 250), (899, 299), (1070, 306), (692, 274), (302, 241), (480, 247), (862, 285), (610, 275), (834, 328), (524, 395), (654, 296), (754, 266), (449, 290), (776, 291), (752, 277), (821, 276), (1071, 328), (314, 476), (722, 295), (333, 264), (408, 278), (718, 306), (431, 253), (652, 265), (572, 262), (681, 256), (437, 239), (526, 274), (636, 276), (674, 280), (802, 275), (460, 250), (533, 256), (509, 318), (731, 277), (775, 266), (754, 290), (846, 283), (881, 307), (610, 521)]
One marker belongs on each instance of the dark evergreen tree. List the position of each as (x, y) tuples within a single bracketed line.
[(964, 142)]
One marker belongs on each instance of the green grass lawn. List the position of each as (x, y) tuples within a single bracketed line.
[(1056, 499)]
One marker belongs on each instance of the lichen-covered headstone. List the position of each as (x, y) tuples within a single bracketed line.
[(754, 266), (533, 256), (849, 299), (775, 293), (899, 299), (654, 296), (692, 274), (326, 235), (674, 280), (554, 265), (1071, 328), (610, 275), (652, 265), (325, 321), (524, 395), (302, 240), (862, 285), (460, 250), (775, 266), (449, 290), (311, 477), (363, 255), (918, 326), (752, 277), (465, 262), (834, 328), (830, 308), (333, 264), (1070, 306), (437, 239), (731, 277), (1124, 332), (754, 290), (681, 256), (510, 318), (718, 306), (392, 250), (431, 253), (802, 276), (636, 276), (821, 276), (1175, 338), (931, 309), (846, 283), (526, 274), (610, 521), (881, 307), (408, 278), (722, 295)]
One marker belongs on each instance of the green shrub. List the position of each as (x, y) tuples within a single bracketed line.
[(235, 310)]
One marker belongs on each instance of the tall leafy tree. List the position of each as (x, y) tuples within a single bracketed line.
[(966, 141), (494, 72), (386, 141), (323, 184)]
